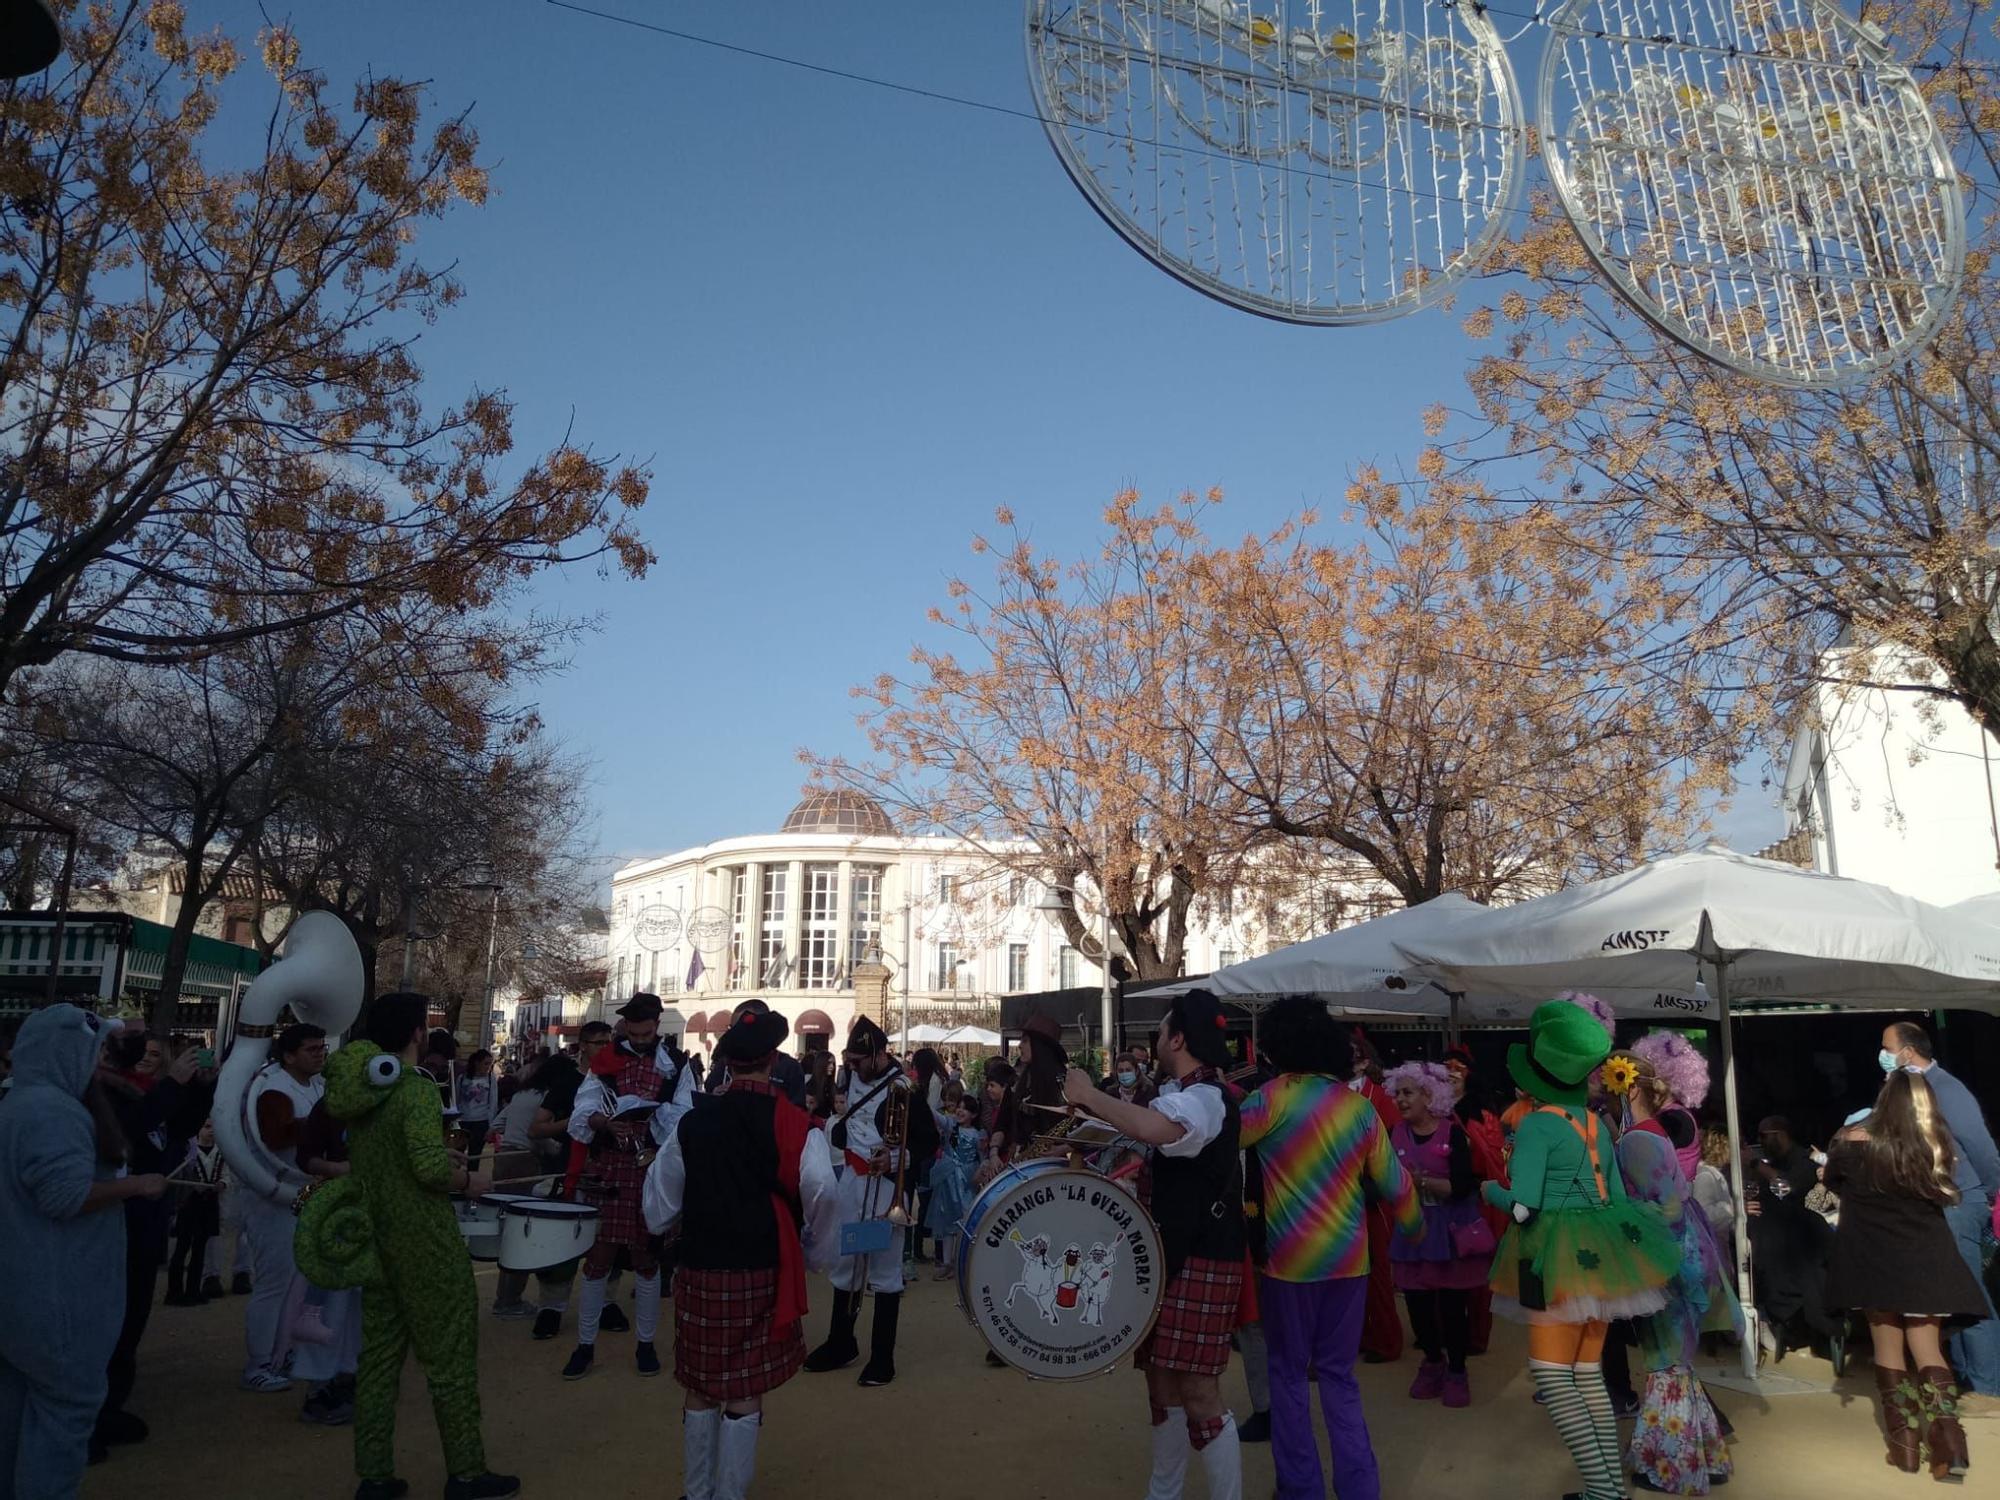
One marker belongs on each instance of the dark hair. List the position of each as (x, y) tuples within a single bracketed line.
[(1301, 1036), (481, 1056), (1910, 1034), (128, 1048), (1910, 1149), (294, 1037), (1197, 1016), (590, 1031), (928, 1065), (394, 1018), (1000, 1072), (441, 1043)]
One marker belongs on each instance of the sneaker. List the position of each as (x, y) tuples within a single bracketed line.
[(211, 1286), (614, 1320), (121, 1427), (942, 1273), (1429, 1384), (515, 1312), (482, 1487), (239, 1284), (1626, 1405), (1978, 1404), (326, 1410), (579, 1362), (1256, 1430), (264, 1382), (1457, 1389), (548, 1323), (382, 1489), (646, 1359)]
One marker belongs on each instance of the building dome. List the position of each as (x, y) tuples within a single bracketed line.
[(839, 811)]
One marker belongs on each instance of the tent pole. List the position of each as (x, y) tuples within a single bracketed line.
[(1451, 1025), (1735, 1123)]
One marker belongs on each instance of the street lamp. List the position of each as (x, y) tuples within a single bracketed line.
[(1053, 903), (29, 40)]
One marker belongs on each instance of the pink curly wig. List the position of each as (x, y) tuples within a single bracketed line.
[(1681, 1067), (1430, 1079), (1600, 1010)]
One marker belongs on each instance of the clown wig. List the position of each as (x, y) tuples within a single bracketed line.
[(1599, 1009), (1679, 1064), (1429, 1079)]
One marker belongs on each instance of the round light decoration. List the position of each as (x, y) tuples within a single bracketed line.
[(1315, 161), (1759, 178)]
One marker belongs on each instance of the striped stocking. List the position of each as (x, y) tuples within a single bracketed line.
[(1567, 1409), (1604, 1423)]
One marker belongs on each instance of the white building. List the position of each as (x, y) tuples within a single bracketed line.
[(786, 916), (1896, 787)]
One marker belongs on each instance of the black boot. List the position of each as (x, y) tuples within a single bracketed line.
[(881, 1366), (840, 1350)]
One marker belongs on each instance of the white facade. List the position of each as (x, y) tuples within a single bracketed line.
[(1897, 788), (786, 916)]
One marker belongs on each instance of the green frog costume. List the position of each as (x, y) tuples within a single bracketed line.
[(388, 1227)]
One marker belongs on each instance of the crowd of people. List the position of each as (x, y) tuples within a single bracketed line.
[(1301, 1193)]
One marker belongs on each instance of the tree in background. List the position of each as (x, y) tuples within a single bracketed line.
[(1049, 739), (1767, 527), (211, 414)]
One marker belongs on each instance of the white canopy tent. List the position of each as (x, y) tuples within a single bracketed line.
[(1366, 970), (920, 1036), (1751, 927), (970, 1036)]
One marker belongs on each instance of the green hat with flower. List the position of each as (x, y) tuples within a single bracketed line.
[(1565, 1044)]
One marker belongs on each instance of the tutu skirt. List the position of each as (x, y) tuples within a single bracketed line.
[(1577, 1265)]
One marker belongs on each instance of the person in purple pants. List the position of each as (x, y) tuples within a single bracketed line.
[(1322, 1151)]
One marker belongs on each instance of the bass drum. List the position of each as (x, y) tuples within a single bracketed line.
[(1059, 1269)]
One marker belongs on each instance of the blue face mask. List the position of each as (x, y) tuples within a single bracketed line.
[(1887, 1059), (1128, 1079)]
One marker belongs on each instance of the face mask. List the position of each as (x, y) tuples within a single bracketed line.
[(1887, 1059), (1128, 1079)]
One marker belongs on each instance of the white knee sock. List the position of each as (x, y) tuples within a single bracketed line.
[(590, 1308), (736, 1457), (700, 1431), (1170, 1456), (1608, 1483), (646, 1306), (1222, 1461)]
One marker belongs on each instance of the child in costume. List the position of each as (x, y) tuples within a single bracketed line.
[(1579, 1252), (951, 1178), (1677, 1443), (388, 1227)]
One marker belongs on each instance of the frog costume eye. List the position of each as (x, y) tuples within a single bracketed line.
[(384, 1068)]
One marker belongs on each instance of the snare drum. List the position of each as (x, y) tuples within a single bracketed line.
[(537, 1233), (1059, 1269), (479, 1222)]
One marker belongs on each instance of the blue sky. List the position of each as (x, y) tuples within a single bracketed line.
[(844, 325)]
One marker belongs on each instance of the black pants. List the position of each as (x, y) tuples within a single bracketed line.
[(184, 1265), (1441, 1324), (475, 1141), (1618, 1363), (142, 1275)]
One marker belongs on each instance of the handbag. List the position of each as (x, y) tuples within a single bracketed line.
[(1472, 1239)]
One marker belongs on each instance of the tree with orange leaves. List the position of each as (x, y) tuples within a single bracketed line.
[(1063, 746), (211, 421), (1782, 541)]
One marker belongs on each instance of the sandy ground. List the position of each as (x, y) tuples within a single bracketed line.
[(949, 1424)]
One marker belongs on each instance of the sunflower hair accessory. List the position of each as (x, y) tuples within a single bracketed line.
[(1620, 1073)]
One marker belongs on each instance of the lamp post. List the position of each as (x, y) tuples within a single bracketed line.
[(1053, 903), (29, 40)]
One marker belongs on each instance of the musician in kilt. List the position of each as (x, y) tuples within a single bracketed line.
[(642, 1067), (750, 1184), (1197, 1202)]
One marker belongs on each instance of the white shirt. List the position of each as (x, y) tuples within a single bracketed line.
[(1200, 1111), (595, 1097), (819, 1196), (303, 1096), (517, 1117)]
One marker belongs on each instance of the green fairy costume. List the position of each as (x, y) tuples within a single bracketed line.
[(388, 1228), (1578, 1250)]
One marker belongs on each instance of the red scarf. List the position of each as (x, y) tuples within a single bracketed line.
[(792, 1126)]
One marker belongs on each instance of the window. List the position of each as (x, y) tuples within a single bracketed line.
[(947, 888), (947, 967), (1017, 890), (1017, 967), (819, 956), (772, 964), (1066, 967), (739, 898), (1224, 957), (864, 909)]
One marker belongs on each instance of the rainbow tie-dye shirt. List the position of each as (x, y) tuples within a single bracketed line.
[(1321, 1145)]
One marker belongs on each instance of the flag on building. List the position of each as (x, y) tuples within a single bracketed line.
[(694, 969)]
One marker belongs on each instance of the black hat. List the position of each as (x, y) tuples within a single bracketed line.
[(642, 1007), (753, 1036), (867, 1037)]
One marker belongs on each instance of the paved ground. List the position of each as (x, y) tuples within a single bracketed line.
[(949, 1427)]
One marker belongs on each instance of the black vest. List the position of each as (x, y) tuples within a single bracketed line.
[(1198, 1200), (729, 1152)]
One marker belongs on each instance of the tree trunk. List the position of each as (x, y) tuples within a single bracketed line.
[(180, 938)]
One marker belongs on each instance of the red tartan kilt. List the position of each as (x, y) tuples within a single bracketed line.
[(724, 1347), (1197, 1316), (618, 1196)]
